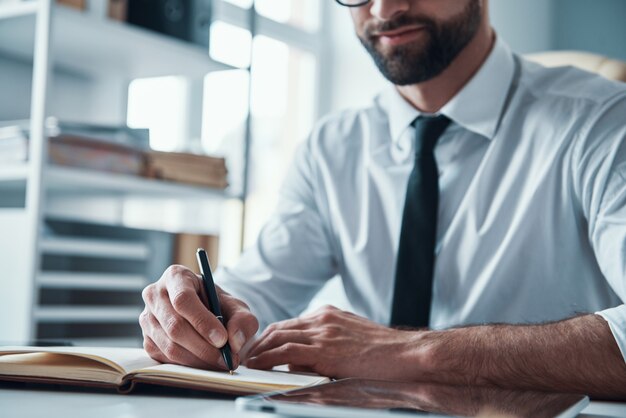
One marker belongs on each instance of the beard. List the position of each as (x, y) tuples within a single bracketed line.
[(426, 58)]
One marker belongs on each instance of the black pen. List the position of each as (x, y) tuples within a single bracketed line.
[(214, 302)]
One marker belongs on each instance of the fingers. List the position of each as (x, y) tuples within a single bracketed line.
[(153, 351), (279, 338), (292, 330), (242, 325), (298, 355), (161, 348), (177, 326), (179, 331), (183, 288)]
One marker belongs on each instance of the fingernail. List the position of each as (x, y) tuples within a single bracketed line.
[(239, 340), (217, 338)]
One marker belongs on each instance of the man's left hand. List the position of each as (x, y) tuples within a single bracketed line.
[(339, 344)]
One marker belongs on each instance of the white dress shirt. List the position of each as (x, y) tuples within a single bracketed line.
[(532, 218)]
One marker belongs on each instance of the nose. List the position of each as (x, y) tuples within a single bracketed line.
[(389, 9)]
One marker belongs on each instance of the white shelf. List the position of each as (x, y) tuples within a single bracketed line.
[(74, 280), (23, 8), (99, 248), (13, 173), (81, 314), (86, 44), (71, 180), (75, 181)]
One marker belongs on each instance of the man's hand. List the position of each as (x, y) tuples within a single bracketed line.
[(578, 355), (334, 343), (178, 328)]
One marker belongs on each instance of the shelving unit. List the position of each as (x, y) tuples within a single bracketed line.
[(80, 247), (101, 281), (112, 45), (87, 314), (74, 258), (12, 10)]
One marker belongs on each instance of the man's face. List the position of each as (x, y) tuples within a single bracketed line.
[(413, 41)]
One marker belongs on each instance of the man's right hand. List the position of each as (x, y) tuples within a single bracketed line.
[(178, 328)]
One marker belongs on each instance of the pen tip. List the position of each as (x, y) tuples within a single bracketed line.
[(232, 372)]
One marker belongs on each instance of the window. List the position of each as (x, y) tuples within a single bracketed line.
[(211, 114), (159, 104), (304, 14), (230, 44), (283, 101), (283, 105)]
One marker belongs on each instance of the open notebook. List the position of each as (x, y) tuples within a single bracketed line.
[(121, 368)]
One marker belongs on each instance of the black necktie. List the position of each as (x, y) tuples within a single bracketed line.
[(416, 253)]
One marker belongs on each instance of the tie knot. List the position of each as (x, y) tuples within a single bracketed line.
[(428, 130)]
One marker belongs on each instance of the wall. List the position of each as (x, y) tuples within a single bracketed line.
[(525, 25), (73, 96), (598, 26), (355, 78)]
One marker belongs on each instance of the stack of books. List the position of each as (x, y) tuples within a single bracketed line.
[(195, 169), (102, 148), (112, 149)]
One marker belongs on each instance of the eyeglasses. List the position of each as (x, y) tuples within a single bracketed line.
[(353, 3)]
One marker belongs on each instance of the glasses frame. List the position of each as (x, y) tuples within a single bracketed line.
[(359, 4)]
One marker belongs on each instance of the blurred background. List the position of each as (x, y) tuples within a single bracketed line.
[(134, 131)]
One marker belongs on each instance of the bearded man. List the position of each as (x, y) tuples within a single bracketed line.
[(475, 211)]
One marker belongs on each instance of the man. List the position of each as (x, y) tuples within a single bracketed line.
[(482, 190)]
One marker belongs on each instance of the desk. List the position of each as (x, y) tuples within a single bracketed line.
[(50, 403)]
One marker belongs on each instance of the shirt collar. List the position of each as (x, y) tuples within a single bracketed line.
[(477, 107)]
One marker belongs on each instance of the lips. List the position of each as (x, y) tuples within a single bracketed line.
[(398, 36)]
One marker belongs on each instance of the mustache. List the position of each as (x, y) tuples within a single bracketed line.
[(373, 28)]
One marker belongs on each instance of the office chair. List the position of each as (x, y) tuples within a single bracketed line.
[(606, 67)]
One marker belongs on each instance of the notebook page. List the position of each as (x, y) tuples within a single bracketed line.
[(243, 376), (122, 359), (58, 366)]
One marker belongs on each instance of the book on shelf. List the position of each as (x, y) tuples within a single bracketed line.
[(114, 149), (202, 170), (118, 10), (76, 4), (137, 138), (123, 368), (73, 151)]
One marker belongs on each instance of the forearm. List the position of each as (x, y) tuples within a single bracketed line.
[(577, 355)]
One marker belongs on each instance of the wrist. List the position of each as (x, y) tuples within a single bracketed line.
[(415, 354), (425, 350), (444, 357)]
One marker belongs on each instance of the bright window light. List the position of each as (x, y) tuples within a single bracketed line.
[(225, 108), (160, 105), (230, 44), (246, 4), (278, 10), (270, 77), (303, 14)]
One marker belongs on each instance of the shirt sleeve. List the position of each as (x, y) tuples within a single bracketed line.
[(292, 258), (602, 189)]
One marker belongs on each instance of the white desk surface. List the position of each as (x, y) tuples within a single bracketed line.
[(26, 403)]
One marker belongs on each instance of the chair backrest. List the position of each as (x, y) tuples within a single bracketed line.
[(606, 67)]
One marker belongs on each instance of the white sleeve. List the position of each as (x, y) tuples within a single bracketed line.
[(602, 188), (292, 258)]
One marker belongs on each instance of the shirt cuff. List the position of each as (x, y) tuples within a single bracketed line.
[(616, 317)]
